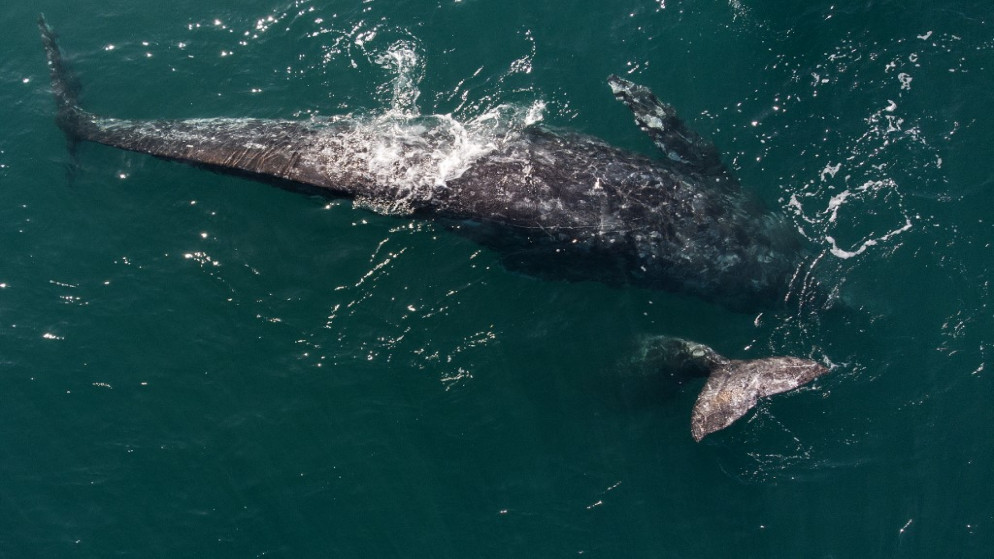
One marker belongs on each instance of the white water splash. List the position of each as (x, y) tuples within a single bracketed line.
[(874, 197), (413, 155), (403, 61), (857, 204)]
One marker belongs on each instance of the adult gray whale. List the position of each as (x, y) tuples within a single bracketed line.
[(553, 203)]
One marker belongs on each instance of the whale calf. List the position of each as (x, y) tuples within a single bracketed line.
[(555, 203)]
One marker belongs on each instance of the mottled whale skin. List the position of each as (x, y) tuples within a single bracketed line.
[(554, 203)]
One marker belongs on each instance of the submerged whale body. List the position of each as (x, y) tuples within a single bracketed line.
[(553, 203)]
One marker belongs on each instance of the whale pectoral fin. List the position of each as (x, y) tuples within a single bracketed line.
[(734, 387), (660, 121)]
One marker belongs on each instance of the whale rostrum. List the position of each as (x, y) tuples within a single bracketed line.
[(552, 203)]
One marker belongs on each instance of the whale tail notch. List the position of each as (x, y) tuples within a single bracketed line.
[(733, 386)]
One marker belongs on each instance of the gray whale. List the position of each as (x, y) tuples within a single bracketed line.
[(553, 203)]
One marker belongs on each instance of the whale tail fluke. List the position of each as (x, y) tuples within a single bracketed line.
[(733, 386), (65, 86)]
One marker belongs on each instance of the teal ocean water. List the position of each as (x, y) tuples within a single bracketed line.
[(196, 365)]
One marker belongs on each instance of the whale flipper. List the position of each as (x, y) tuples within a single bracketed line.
[(660, 121), (733, 386)]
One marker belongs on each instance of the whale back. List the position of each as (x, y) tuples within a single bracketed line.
[(570, 205)]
